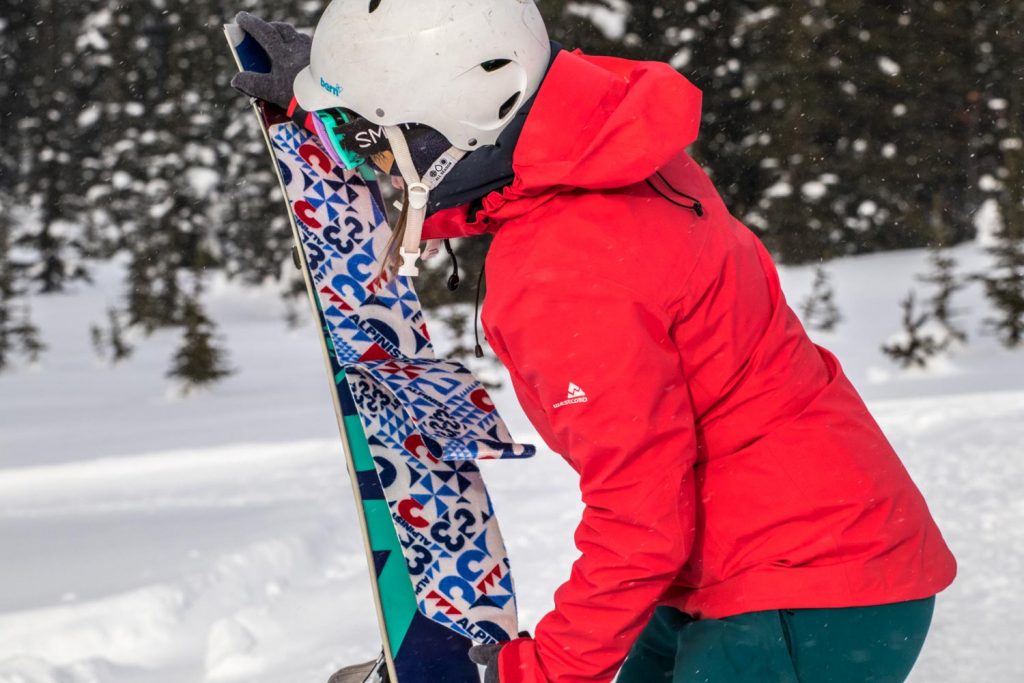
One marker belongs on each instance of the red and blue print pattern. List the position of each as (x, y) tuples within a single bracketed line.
[(425, 419)]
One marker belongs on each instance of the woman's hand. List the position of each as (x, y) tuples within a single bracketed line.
[(289, 54)]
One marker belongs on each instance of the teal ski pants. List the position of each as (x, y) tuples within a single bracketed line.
[(848, 645)]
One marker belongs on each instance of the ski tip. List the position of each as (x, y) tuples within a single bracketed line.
[(234, 33)]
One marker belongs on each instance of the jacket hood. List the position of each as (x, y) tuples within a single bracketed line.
[(597, 123)]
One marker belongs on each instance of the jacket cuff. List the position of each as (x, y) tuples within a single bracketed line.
[(453, 222), (301, 116), (518, 663)]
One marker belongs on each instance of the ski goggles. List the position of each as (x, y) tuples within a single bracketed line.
[(352, 141), (338, 130)]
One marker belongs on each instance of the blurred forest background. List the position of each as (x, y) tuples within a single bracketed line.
[(832, 127)]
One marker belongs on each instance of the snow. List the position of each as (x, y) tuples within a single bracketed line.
[(889, 67), (154, 539), (609, 18), (814, 190), (867, 208), (779, 189), (989, 183), (681, 58), (202, 180), (988, 223), (89, 116)]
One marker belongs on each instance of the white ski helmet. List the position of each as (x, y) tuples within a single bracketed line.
[(462, 67)]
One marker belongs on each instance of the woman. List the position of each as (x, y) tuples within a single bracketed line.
[(745, 518)]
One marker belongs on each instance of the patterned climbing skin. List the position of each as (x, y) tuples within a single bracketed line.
[(424, 418)]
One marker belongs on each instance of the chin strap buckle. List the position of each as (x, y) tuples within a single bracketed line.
[(416, 214), (409, 259)]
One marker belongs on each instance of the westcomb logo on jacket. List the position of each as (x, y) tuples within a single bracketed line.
[(573, 396), (726, 463)]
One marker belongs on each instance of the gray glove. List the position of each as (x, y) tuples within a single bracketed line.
[(487, 655), (289, 54)]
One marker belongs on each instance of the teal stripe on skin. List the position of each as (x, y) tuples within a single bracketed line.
[(397, 598)]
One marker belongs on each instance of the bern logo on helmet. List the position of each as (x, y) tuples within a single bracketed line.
[(330, 87)]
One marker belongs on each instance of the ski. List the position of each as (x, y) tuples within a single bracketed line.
[(374, 671), (411, 424)]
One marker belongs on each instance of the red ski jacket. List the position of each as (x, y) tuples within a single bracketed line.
[(726, 463)]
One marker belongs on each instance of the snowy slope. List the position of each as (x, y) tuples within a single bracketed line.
[(148, 538)]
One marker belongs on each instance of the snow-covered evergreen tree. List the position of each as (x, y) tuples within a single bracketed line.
[(828, 129), (109, 341), (943, 277), (1004, 281), (187, 183), (48, 87), (199, 361), (19, 337), (918, 341), (819, 126), (1004, 285), (819, 311)]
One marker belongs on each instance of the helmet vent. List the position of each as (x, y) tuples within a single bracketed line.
[(495, 64), (374, 4), (507, 106)]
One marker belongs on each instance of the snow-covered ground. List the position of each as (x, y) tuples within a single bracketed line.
[(149, 538)]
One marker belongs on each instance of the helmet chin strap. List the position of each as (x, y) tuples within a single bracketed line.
[(418, 190)]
